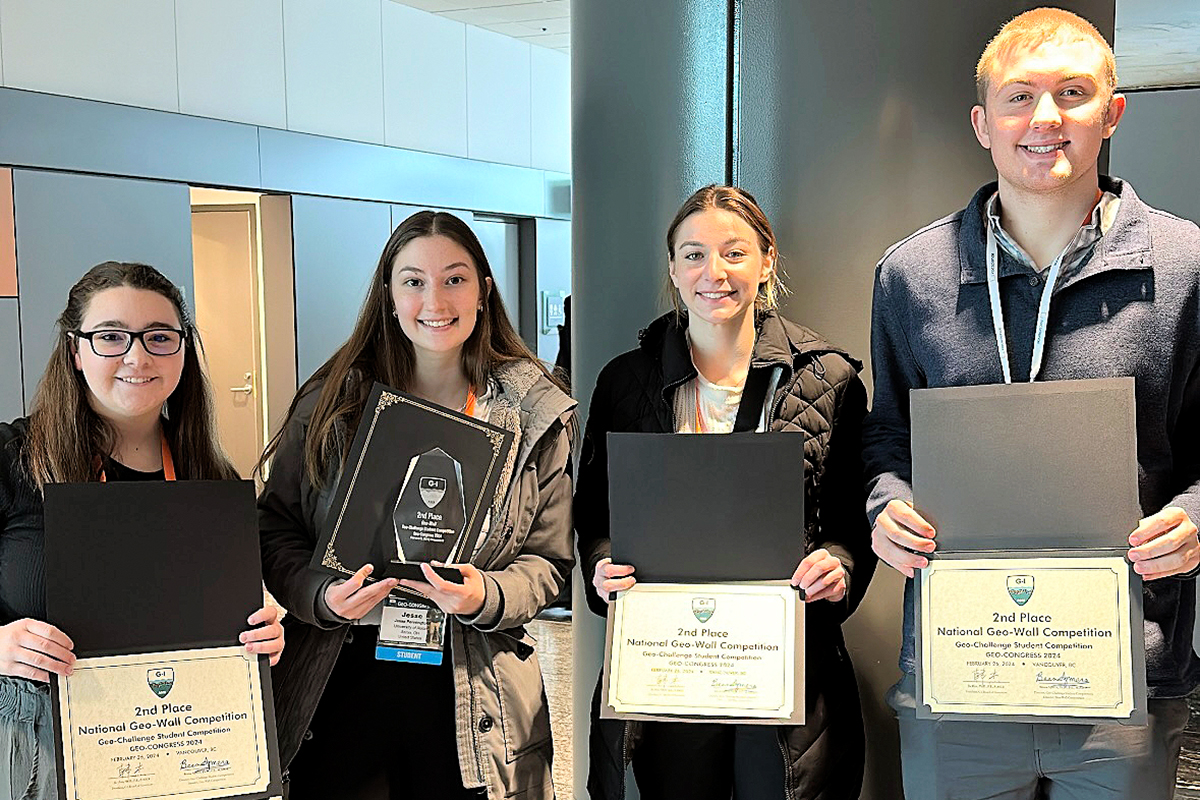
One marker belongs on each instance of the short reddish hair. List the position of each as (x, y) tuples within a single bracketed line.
[(1034, 28)]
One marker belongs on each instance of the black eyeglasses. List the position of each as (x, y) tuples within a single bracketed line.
[(111, 342)]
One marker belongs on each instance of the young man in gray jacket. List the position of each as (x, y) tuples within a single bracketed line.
[(1124, 300)]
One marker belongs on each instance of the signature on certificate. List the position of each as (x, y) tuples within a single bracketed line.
[(1064, 680), (130, 770), (207, 765), (733, 686)]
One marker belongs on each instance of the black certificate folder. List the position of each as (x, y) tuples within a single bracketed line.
[(1026, 482), (156, 580), (416, 487), (696, 508), (1027, 466), (137, 567)]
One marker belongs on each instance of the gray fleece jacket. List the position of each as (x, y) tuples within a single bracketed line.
[(1131, 309)]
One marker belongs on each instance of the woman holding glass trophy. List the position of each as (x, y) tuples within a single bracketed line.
[(476, 724), (690, 374)]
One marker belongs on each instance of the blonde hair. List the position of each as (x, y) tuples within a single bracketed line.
[(1035, 28), (742, 203)]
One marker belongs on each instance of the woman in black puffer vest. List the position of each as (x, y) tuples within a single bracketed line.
[(687, 376)]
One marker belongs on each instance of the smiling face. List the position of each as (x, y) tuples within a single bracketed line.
[(718, 265), (134, 386), (1048, 110), (436, 291)]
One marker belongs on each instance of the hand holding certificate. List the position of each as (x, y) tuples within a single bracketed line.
[(1028, 609), (711, 630), (163, 700)]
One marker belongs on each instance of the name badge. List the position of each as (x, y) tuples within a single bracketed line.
[(411, 631)]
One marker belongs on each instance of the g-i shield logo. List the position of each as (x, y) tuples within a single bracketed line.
[(1020, 588), (432, 490), (703, 608), (161, 680)]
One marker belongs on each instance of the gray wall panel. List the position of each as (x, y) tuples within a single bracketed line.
[(63, 133), (1153, 150), (86, 136), (854, 132), (68, 223), (648, 127), (12, 398), (336, 245), (307, 164)]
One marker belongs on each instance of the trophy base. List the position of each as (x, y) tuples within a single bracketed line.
[(411, 570)]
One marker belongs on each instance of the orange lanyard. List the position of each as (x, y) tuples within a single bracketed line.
[(168, 464), (469, 408)]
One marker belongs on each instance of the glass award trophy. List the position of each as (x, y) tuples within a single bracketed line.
[(417, 484), (430, 515)]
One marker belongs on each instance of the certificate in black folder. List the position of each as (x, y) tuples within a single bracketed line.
[(1029, 610), (712, 631), (154, 581), (416, 487)]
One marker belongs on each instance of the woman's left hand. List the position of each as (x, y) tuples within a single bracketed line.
[(821, 576), (267, 636), (464, 598)]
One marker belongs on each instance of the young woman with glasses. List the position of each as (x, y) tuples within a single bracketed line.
[(723, 346), (351, 725), (122, 398)]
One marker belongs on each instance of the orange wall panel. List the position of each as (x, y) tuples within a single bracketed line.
[(8, 239)]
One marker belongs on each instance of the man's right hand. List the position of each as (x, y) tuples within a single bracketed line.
[(33, 649), (351, 600), (898, 531), (611, 578)]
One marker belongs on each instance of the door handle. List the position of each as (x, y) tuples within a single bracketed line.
[(248, 388)]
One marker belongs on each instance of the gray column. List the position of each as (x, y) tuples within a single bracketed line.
[(649, 126)]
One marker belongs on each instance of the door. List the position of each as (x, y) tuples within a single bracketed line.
[(224, 254)]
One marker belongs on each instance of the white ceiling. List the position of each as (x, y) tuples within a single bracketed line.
[(542, 22)]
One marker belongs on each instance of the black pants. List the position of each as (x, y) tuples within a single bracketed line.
[(382, 731), (698, 761)]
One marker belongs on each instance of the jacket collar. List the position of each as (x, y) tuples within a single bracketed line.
[(535, 402), (1126, 245), (778, 343)]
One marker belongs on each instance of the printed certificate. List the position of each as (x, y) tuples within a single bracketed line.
[(184, 724), (1029, 636), (709, 650)]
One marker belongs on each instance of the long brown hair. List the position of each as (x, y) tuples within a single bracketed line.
[(378, 350), (68, 440), (737, 201)]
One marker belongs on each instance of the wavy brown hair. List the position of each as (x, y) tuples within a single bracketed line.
[(378, 350), (68, 440)]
